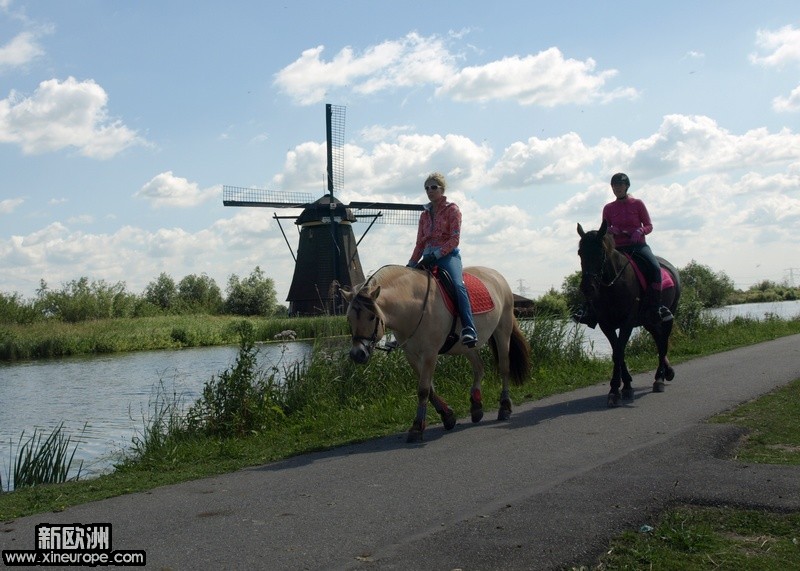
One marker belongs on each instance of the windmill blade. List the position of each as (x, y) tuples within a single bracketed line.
[(386, 212), (404, 217), (387, 206), (240, 196)]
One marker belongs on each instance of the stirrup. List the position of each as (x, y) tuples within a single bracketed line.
[(664, 314), (469, 337)]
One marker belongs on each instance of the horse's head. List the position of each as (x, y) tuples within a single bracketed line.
[(367, 324), (594, 249)]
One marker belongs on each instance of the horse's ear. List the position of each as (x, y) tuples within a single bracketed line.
[(581, 233), (375, 293), (347, 293), (603, 228)]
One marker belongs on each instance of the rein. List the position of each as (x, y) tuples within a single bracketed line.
[(598, 277), (372, 341)]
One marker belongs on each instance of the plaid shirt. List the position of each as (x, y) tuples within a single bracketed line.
[(439, 234)]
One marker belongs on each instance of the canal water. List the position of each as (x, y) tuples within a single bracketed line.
[(596, 343), (104, 401)]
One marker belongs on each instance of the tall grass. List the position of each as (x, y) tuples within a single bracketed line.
[(40, 461), (58, 339)]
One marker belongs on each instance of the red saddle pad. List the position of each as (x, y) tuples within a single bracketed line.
[(479, 297)]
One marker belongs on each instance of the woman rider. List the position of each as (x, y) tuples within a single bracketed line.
[(438, 236), (628, 222)]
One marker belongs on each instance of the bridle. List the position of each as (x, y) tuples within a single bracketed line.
[(371, 342), (597, 277)]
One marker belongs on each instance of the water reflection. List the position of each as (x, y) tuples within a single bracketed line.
[(109, 395)]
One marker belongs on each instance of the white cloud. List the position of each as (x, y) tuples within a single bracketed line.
[(68, 114), (409, 61), (166, 189), (547, 78), (20, 50), (782, 47), (8, 205), (787, 104)]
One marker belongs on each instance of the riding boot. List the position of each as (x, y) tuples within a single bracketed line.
[(585, 315), (653, 306)]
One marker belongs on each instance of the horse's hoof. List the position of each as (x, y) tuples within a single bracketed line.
[(613, 399), (504, 413), (627, 394), (669, 373), (414, 436), (449, 420), (658, 386), (475, 409)]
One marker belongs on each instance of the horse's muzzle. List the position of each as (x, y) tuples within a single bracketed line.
[(359, 353)]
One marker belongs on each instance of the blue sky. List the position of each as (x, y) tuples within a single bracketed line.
[(121, 121)]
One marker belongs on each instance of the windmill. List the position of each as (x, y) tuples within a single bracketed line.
[(327, 251)]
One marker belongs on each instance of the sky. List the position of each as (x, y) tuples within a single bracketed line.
[(120, 122)]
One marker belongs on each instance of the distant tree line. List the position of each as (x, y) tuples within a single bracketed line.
[(702, 287), (83, 300)]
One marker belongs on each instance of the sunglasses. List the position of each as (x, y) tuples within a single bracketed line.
[(433, 187)]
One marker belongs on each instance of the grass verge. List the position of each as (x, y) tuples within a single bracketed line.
[(332, 402)]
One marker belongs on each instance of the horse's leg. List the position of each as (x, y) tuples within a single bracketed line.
[(475, 398), (661, 333), (447, 414), (627, 379), (502, 338), (423, 366), (617, 357)]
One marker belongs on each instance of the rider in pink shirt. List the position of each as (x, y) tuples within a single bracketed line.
[(629, 222)]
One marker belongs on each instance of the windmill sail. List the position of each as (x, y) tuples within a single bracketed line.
[(327, 252)]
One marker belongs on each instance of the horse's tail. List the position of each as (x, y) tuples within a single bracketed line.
[(519, 356)]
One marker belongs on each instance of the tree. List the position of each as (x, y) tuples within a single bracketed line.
[(162, 292), (200, 293), (711, 289), (571, 288), (254, 295)]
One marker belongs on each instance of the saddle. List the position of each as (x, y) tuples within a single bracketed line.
[(479, 299), (666, 276)]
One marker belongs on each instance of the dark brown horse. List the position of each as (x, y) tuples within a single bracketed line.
[(610, 284)]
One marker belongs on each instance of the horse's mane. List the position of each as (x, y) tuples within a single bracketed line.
[(608, 243), (363, 290), (608, 240)]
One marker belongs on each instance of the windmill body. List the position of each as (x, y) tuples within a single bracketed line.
[(327, 251)]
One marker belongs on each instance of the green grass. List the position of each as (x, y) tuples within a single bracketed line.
[(727, 538), (704, 539), (59, 339), (334, 402)]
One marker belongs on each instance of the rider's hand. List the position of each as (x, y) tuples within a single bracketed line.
[(427, 261)]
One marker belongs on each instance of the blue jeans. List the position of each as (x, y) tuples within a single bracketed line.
[(451, 263)]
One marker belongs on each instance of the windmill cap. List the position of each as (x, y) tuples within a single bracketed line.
[(620, 177)]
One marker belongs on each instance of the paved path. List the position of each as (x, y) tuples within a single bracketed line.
[(545, 490)]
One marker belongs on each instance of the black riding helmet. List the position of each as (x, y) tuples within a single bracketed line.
[(620, 177)]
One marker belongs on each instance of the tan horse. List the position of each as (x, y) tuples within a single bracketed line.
[(409, 302)]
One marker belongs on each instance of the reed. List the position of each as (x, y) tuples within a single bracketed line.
[(40, 461)]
